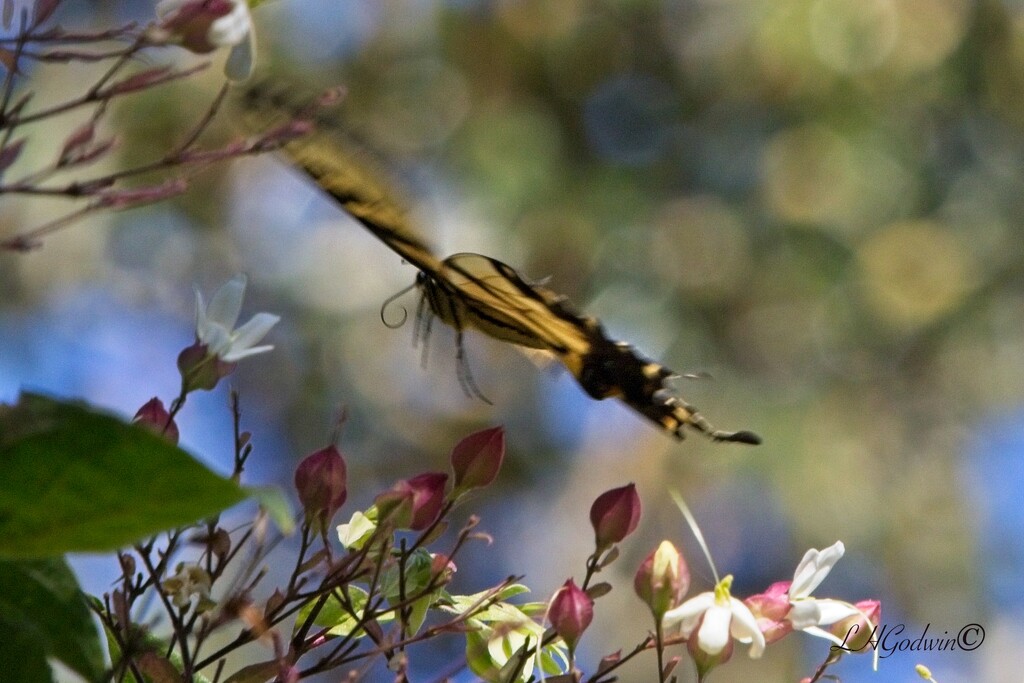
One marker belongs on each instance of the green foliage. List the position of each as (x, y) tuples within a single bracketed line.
[(503, 644), (341, 617), (43, 615), (77, 480)]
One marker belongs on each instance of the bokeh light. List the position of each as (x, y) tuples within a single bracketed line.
[(815, 202)]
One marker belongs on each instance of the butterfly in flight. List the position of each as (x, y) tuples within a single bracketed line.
[(473, 291)]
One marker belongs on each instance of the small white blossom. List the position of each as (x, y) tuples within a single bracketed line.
[(233, 29), (719, 617), (808, 613), (189, 581), (215, 323)]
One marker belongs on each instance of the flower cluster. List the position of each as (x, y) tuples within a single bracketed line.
[(711, 621), (505, 641)]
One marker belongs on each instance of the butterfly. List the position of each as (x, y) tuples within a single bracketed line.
[(473, 291)]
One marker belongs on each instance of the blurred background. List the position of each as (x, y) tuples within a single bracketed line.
[(817, 202)]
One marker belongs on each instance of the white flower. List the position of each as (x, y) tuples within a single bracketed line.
[(719, 617), (808, 613), (215, 324), (233, 28), (189, 580)]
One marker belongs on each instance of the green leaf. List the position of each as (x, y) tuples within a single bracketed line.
[(77, 480), (337, 617), (359, 529), (24, 658), (461, 603), (417, 575), (273, 500), (44, 614)]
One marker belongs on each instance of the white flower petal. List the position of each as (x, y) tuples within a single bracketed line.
[(687, 612), (217, 339), (821, 633), (235, 355), (744, 628), (226, 303), (254, 330), (200, 312), (231, 28), (241, 59), (834, 610), (714, 631), (813, 568), (804, 613)]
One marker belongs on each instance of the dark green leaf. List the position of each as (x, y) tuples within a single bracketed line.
[(79, 480), (43, 610), (24, 658)]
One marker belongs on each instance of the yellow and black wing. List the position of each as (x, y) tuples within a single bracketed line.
[(341, 169)]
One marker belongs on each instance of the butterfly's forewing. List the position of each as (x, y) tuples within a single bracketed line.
[(361, 192), (341, 168)]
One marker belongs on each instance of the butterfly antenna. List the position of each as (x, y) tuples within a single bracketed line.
[(387, 302)]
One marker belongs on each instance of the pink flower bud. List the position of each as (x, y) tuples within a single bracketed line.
[(413, 503), (154, 417), (200, 370), (570, 613), (662, 579), (856, 631), (614, 515), (477, 458), (321, 481), (770, 609)]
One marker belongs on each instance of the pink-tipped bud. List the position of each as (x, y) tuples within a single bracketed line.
[(321, 482), (200, 370), (662, 579), (154, 417), (614, 515), (413, 503), (570, 613), (477, 458), (857, 631), (770, 609)]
